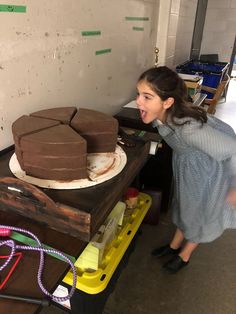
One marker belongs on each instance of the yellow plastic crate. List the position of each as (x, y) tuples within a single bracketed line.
[(95, 282), (92, 256)]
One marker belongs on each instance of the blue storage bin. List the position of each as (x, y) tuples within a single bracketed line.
[(212, 73)]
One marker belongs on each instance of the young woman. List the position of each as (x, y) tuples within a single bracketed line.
[(204, 164)]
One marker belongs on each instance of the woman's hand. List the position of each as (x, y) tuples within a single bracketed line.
[(231, 197)]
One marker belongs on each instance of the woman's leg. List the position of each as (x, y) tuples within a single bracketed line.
[(172, 248), (181, 260), (177, 239), (188, 247), (187, 250)]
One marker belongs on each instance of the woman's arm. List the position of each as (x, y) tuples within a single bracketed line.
[(215, 143), (231, 197), (218, 145)]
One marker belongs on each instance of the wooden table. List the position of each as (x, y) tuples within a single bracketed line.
[(98, 200)]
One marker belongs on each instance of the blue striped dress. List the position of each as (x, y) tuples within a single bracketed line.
[(204, 169)]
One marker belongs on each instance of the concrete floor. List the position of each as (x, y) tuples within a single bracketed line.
[(206, 286)]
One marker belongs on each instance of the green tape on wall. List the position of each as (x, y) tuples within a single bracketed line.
[(91, 33), (101, 52), (135, 28), (136, 18), (12, 8)]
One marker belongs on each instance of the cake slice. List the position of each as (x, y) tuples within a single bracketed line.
[(62, 114), (99, 129), (57, 153), (26, 125)]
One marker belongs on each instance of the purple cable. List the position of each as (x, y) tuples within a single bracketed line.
[(8, 242), (41, 250)]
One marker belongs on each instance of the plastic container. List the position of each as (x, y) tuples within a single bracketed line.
[(92, 256), (212, 73), (95, 282)]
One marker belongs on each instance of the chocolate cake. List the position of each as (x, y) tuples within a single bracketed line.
[(27, 125), (63, 114), (53, 143), (97, 128)]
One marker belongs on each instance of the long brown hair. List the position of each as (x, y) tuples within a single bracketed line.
[(167, 83)]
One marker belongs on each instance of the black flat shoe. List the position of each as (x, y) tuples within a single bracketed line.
[(175, 264), (165, 250)]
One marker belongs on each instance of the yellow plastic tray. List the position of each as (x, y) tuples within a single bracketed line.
[(96, 282)]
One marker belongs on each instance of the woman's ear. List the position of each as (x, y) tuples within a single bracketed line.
[(168, 102)]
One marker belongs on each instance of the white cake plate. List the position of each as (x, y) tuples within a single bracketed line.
[(101, 167)]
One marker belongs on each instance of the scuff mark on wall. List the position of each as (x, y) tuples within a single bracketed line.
[(21, 92), (14, 49)]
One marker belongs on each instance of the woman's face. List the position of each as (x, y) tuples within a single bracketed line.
[(151, 106)]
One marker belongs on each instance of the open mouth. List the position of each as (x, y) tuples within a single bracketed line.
[(143, 114)]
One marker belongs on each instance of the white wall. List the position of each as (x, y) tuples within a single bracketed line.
[(172, 32), (186, 21), (175, 30), (45, 61), (162, 30), (219, 29)]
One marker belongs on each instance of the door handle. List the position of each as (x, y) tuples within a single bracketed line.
[(156, 56)]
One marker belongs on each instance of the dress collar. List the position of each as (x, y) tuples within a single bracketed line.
[(156, 123)]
